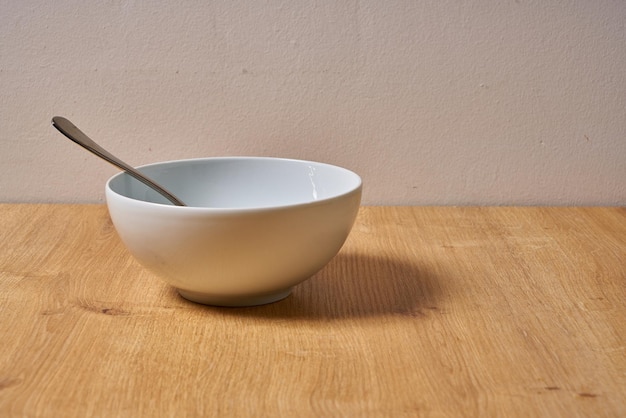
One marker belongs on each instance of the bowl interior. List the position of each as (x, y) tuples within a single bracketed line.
[(240, 182)]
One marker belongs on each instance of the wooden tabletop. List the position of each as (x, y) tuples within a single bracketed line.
[(426, 311)]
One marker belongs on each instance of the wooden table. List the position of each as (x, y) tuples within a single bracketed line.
[(426, 311)]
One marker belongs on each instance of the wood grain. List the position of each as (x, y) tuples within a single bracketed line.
[(425, 312)]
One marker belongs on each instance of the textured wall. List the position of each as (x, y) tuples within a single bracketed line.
[(432, 102)]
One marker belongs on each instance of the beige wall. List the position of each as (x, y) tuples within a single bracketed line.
[(432, 102)]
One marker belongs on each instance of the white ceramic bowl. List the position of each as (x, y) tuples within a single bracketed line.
[(254, 227)]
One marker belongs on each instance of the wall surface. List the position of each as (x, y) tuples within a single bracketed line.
[(431, 102)]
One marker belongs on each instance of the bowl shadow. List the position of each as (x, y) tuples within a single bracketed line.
[(355, 285)]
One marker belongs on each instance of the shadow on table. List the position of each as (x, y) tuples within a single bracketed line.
[(353, 286)]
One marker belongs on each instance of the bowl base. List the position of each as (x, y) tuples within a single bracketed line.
[(233, 301)]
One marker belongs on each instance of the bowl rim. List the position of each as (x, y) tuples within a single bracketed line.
[(109, 192)]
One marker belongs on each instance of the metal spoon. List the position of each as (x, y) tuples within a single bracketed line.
[(68, 129)]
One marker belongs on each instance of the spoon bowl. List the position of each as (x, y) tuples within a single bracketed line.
[(255, 227)]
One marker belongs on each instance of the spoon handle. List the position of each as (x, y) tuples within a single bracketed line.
[(68, 129)]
